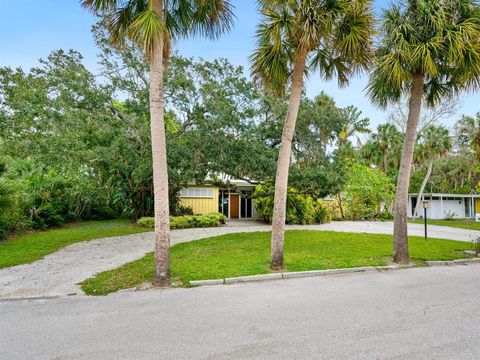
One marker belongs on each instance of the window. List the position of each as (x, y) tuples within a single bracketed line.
[(223, 202), (197, 192), (246, 205), (468, 208)]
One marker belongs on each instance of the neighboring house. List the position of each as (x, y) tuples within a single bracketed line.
[(232, 200), (442, 206)]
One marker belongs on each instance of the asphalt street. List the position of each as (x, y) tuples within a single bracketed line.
[(418, 313)]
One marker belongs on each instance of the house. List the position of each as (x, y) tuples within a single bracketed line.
[(442, 206), (232, 198)]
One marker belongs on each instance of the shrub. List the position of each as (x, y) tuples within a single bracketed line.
[(148, 222), (450, 215), (4, 228), (476, 245), (187, 221), (47, 216), (8, 193), (322, 213), (368, 193), (180, 210), (50, 197), (385, 216), (301, 208)]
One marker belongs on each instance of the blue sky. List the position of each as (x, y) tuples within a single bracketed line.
[(30, 29)]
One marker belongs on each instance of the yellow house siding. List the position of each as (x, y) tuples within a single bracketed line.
[(477, 206), (202, 206)]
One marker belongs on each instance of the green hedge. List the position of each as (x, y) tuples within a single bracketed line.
[(301, 209), (187, 221)]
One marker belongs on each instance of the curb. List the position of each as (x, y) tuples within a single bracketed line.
[(311, 273), (453, 262), (294, 275), (264, 277)]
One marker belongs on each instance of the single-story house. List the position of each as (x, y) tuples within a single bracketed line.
[(232, 199), (442, 206)]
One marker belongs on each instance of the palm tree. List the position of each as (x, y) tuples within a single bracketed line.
[(386, 139), (428, 51), (352, 123), (294, 38), (8, 191), (435, 143), (154, 25), (468, 133)]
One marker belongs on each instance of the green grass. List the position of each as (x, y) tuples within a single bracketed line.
[(34, 246), (456, 223), (249, 254)]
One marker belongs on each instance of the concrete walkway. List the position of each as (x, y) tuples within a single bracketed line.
[(60, 272), (421, 313)]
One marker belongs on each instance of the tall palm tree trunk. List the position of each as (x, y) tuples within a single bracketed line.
[(159, 157), (400, 231), (385, 161), (422, 188), (281, 179)]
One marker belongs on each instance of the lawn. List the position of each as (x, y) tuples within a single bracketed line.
[(249, 254), (35, 245), (456, 223)]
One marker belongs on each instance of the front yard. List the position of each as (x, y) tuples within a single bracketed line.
[(249, 254), (35, 245)]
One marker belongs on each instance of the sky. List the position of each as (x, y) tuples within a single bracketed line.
[(31, 29)]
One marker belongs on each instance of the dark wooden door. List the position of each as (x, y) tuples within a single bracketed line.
[(234, 202)]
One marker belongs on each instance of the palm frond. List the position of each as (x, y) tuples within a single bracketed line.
[(439, 39), (212, 18), (272, 59), (147, 30), (137, 21), (8, 190), (336, 35), (99, 6)]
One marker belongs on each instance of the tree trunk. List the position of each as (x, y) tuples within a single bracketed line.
[(400, 231), (385, 161), (422, 188), (159, 156), (340, 205), (281, 179)]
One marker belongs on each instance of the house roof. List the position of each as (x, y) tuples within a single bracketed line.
[(477, 196), (227, 179)]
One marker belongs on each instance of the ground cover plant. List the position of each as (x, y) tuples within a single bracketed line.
[(249, 254)]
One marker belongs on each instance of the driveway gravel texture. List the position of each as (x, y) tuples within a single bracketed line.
[(60, 272), (418, 313)]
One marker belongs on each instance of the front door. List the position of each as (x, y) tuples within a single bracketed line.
[(234, 206)]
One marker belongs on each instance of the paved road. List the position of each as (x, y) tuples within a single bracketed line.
[(420, 313), (60, 272)]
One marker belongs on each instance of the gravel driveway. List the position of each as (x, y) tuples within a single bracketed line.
[(60, 272)]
